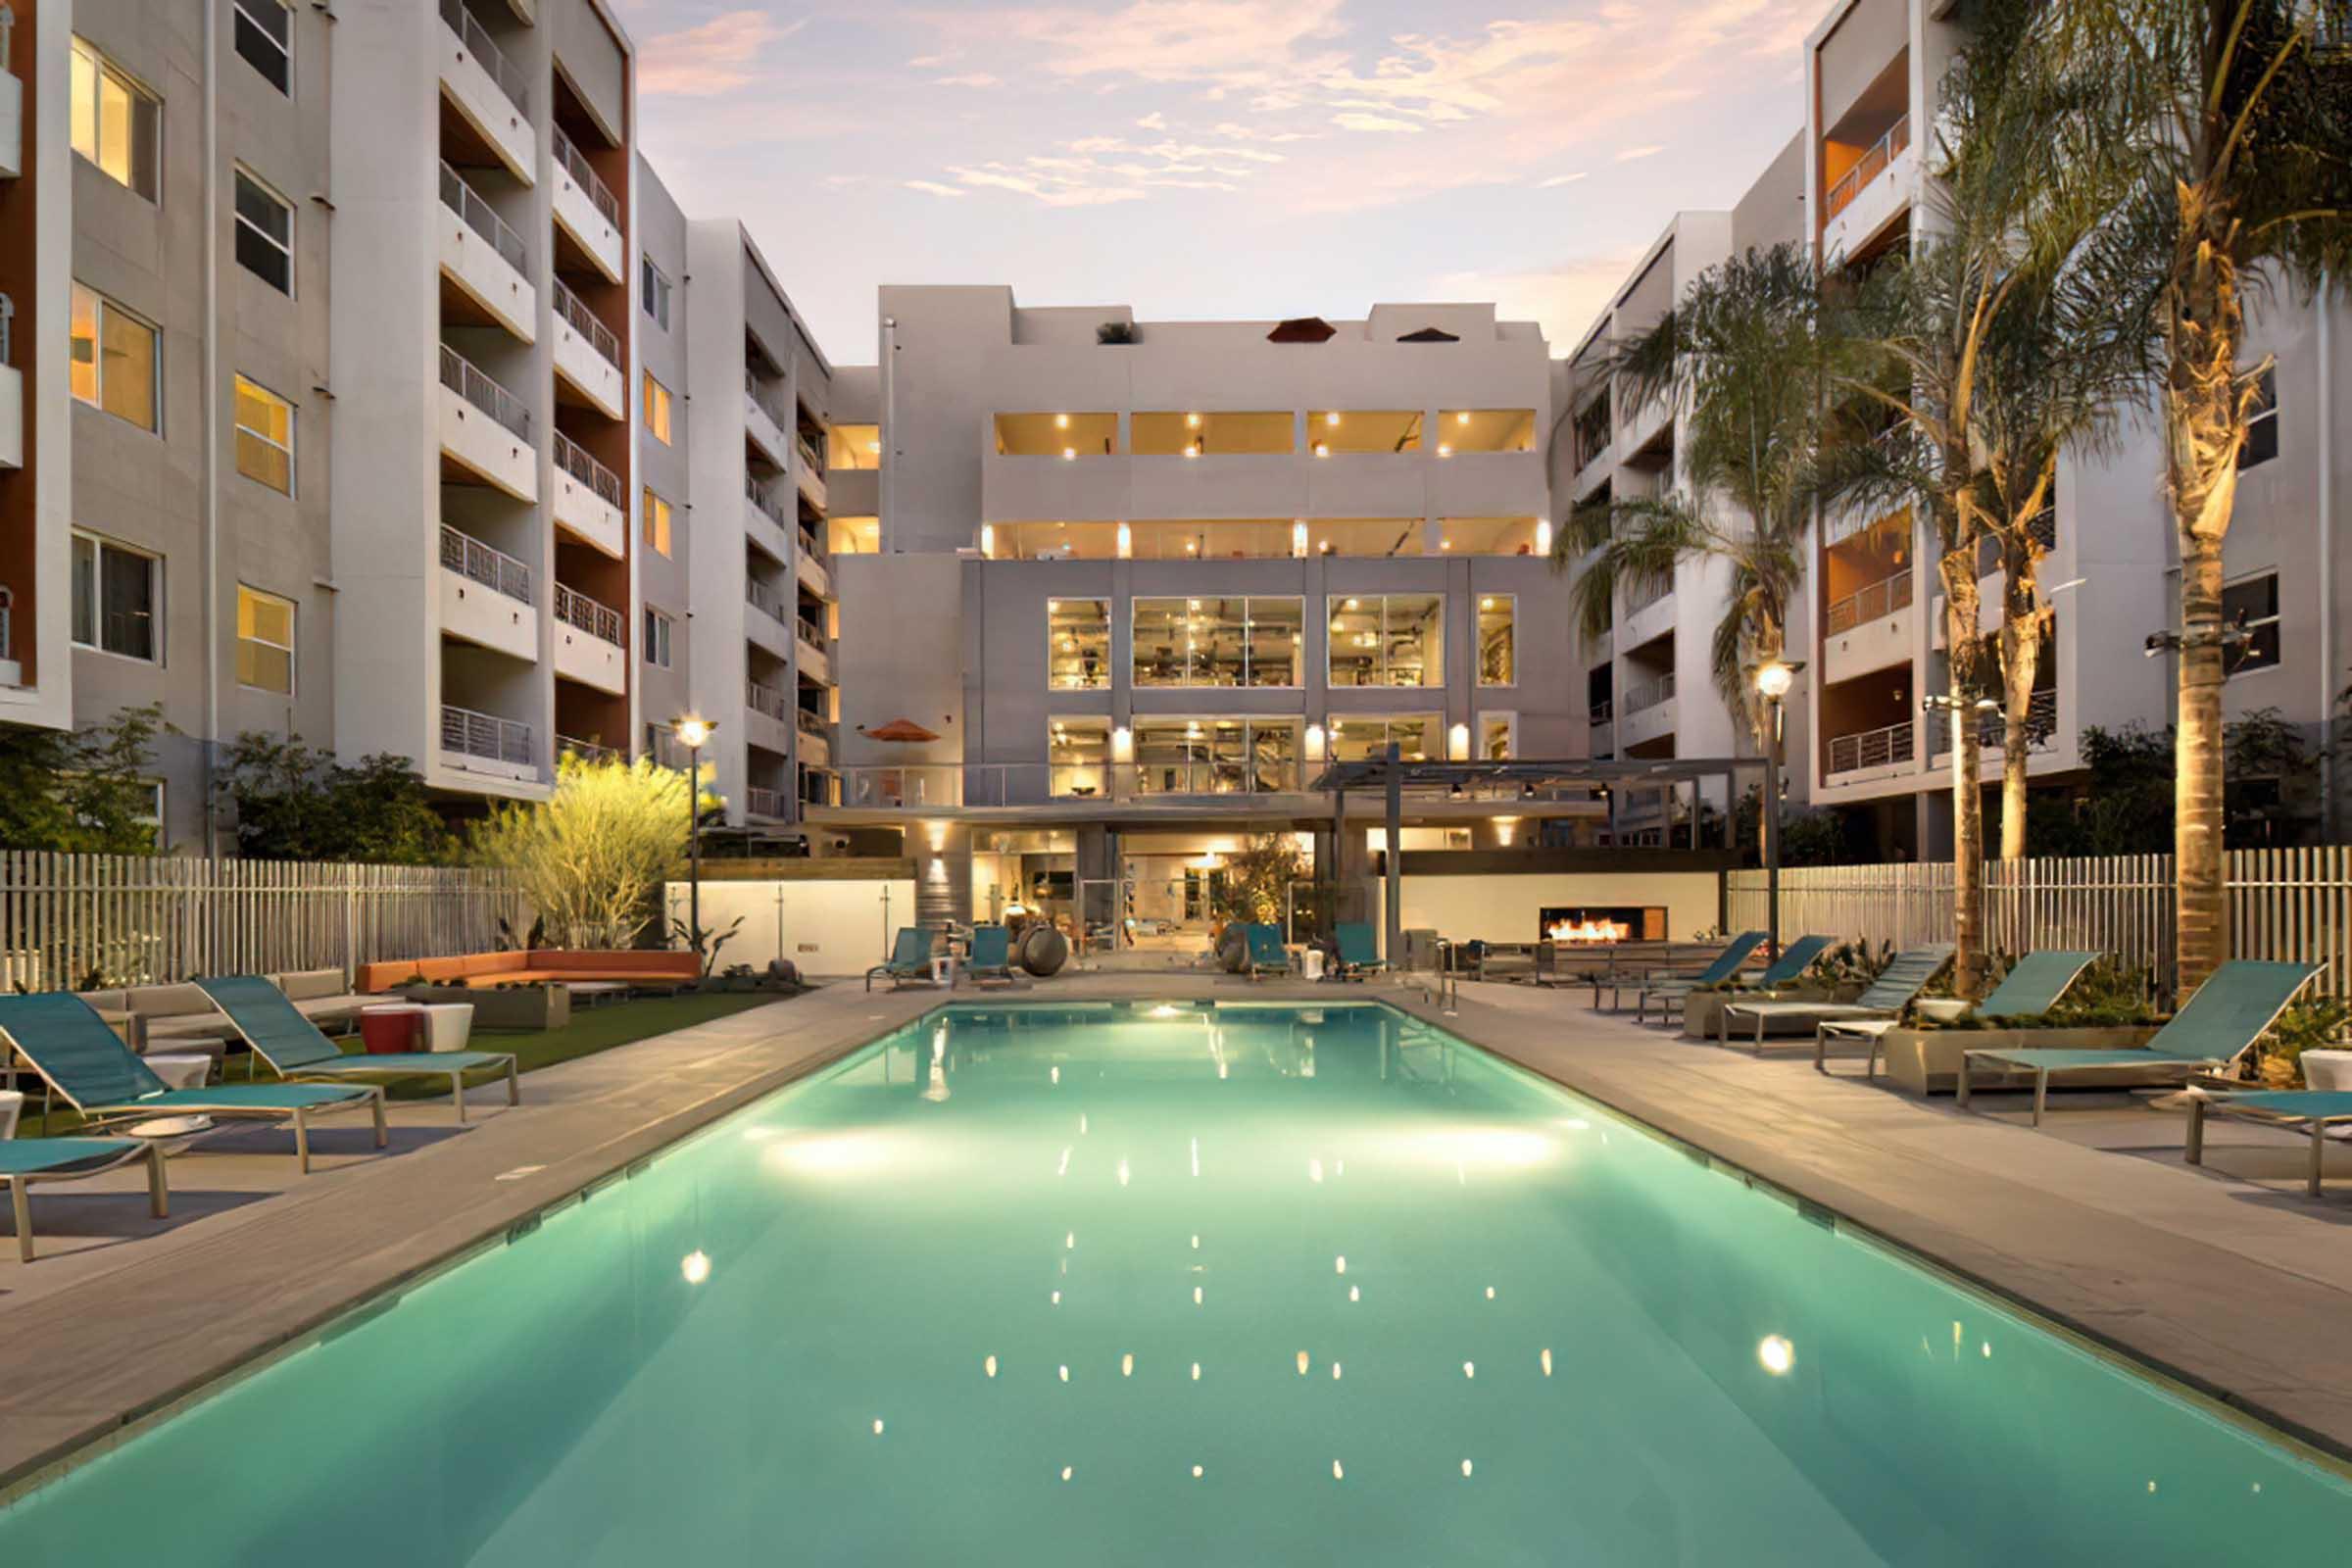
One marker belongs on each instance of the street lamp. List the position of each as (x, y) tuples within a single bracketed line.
[(1775, 678), (691, 733)]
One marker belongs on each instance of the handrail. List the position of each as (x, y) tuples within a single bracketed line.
[(813, 636), (758, 494), (8, 322), (575, 163), (470, 381), (766, 700), (1639, 595), (766, 598), (599, 337), (1603, 712), (598, 619), (810, 458), (485, 735), (751, 389), (1867, 168), (494, 569), (480, 217), (574, 460), (809, 723), (761, 802), (810, 547), (476, 37), (1868, 603), (1649, 694), (586, 750), (1870, 748), (2041, 718)]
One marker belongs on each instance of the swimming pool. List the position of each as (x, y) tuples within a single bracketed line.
[(1186, 1284)]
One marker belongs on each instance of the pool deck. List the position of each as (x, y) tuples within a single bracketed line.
[(2227, 1278)]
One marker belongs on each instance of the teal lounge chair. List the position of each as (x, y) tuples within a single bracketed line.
[(990, 956), (79, 1058), (1787, 969), (1360, 953), (1679, 984), (1265, 953), (71, 1159), (2315, 1110), (1905, 976), (910, 960), (2230, 1012), (279, 1035), (2030, 989)]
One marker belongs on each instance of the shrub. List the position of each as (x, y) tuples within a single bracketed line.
[(593, 857)]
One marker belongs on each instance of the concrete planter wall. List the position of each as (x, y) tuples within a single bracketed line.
[(510, 1008), (1703, 1009), (1926, 1061)]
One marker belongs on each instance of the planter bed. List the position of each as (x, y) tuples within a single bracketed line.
[(1703, 1009), (1926, 1061)]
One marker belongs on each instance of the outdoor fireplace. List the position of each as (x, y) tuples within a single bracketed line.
[(1586, 926)]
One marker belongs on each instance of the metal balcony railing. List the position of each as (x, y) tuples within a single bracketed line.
[(575, 163), (1859, 609), (766, 599), (1603, 712), (477, 214), (1871, 748), (809, 723), (1873, 163), (810, 546), (766, 700), (764, 400), (2041, 720), (808, 632), (1649, 694), (763, 802), (486, 53), (812, 457), (8, 335), (586, 750), (1639, 595), (467, 381), (575, 460), (758, 495), (494, 569), (601, 337), (485, 735), (593, 617)]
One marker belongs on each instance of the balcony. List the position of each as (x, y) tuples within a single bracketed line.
[(1992, 726), (484, 743), (767, 600), (486, 429), (1645, 711), (1648, 693), (764, 423), (808, 565), (1870, 750), (1192, 784), (12, 393), (1868, 629), (484, 258), (808, 470), (586, 211), (769, 716), (759, 801), (486, 597), (816, 739), (488, 91), (1879, 599), (588, 354), (809, 645), (1869, 195), (769, 511), (12, 106), (588, 647), (587, 750), (590, 503)]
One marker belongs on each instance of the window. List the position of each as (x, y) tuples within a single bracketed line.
[(1498, 737), (1215, 433), (265, 437), (1486, 430), (1217, 642), (265, 41), (265, 641), (1078, 757), (655, 289), (1329, 430), (116, 121), (1215, 756), (656, 409), (117, 598), (113, 363), (854, 446), (1395, 640), (1077, 644), (1365, 740), (1057, 435), (2251, 608), (1498, 641), (264, 233), (656, 638), (2262, 427), (656, 512)]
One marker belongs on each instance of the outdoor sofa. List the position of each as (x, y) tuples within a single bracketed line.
[(640, 968)]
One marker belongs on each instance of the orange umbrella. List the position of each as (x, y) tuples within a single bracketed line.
[(900, 729)]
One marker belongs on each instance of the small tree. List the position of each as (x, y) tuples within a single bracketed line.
[(296, 804), (87, 792), (1257, 873), (593, 857)]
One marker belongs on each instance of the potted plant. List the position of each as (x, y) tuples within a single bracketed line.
[(1115, 334)]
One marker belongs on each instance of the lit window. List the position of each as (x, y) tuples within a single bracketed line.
[(854, 446), (1363, 430), (1496, 736), (2262, 427), (658, 627), (656, 513), (656, 409), (1390, 640), (1218, 640), (265, 641), (1215, 756), (113, 361), (2251, 608), (265, 437), (1057, 435), (264, 233), (1078, 757), (1365, 740), (266, 40), (1077, 644), (1498, 641), (655, 289), (1486, 429), (115, 121), (117, 594)]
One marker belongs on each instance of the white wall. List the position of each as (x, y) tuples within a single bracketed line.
[(826, 927), (1504, 909)]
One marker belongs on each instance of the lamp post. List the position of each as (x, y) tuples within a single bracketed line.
[(1774, 679), (691, 733)]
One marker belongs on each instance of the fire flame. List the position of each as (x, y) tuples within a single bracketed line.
[(1589, 931)]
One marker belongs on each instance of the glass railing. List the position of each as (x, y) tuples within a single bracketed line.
[(467, 381), (575, 163), (485, 735), (1859, 609), (598, 619), (1873, 163), (1871, 748), (494, 569), (572, 460), (477, 214), (486, 53), (601, 337)]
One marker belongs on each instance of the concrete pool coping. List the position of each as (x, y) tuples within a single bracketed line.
[(162, 1318)]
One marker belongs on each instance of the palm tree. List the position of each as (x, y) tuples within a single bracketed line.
[(2238, 115), (1740, 354)]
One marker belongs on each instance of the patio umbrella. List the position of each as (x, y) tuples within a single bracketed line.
[(901, 729)]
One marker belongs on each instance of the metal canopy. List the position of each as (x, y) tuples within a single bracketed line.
[(1560, 773)]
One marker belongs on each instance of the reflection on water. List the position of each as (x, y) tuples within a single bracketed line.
[(1187, 1286)]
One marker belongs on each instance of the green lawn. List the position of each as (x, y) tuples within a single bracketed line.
[(591, 1030)]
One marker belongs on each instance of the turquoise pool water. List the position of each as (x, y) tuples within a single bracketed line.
[(1184, 1286)]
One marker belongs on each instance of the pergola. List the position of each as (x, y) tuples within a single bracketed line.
[(1517, 778)]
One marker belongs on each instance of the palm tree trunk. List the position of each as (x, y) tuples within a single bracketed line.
[(1960, 612), (2021, 664)]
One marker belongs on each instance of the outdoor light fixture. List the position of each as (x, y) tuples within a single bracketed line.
[(1068, 454), (1462, 418), (1444, 451), (694, 733), (988, 540), (1322, 450), (1062, 421), (1299, 537), (1332, 418), (1192, 421), (1775, 679), (1941, 702), (1126, 544), (1542, 536)]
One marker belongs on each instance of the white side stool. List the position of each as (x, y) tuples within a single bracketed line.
[(12, 1107), (448, 1025)]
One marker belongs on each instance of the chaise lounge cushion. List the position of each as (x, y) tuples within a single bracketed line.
[(648, 966)]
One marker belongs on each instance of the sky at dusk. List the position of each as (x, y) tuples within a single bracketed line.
[(1201, 159)]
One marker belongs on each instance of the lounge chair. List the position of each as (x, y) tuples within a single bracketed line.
[(910, 960), (1787, 969), (81, 1058), (1678, 983), (277, 1033), (1264, 955), (2230, 1012), (2028, 991), (1360, 953), (990, 958), (1903, 978), (2315, 1110), (71, 1159)]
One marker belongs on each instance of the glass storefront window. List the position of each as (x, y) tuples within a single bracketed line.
[(1078, 644), (1387, 640), (1498, 649), (1217, 642)]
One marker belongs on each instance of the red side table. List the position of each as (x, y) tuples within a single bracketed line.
[(392, 1029)]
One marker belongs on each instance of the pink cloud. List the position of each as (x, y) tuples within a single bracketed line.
[(718, 56)]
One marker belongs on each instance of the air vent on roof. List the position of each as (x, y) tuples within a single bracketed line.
[(1302, 329), (1430, 334)]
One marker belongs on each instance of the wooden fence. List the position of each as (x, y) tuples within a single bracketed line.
[(141, 920), (2283, 903)]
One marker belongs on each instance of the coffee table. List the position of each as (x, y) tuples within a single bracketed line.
[(591, 993)]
